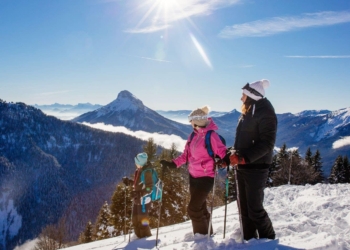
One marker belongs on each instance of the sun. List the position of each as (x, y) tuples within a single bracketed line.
[(169, 10), (166, 5)]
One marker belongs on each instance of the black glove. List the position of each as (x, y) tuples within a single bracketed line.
[(169, 164), (226, 159), (127, 181)]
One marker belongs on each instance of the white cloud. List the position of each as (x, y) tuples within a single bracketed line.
[(322, 57), (345, 141), (159, 139), (154, 59), (276, 25), (246, 66), (148, 29)]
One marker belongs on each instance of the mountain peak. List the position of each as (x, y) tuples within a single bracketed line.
[(125, 94), (125, 101)]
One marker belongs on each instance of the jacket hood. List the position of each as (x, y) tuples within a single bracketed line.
[(261, 104), (211, 126)]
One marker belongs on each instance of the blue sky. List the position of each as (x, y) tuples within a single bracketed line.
[(176, 54)]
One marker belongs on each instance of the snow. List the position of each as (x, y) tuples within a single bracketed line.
[(304, 217), (124, 102), (13, 222), (334, 121), (313, 113)]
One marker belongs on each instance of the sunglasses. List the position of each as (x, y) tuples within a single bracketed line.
[(251, 90), (197, 117)]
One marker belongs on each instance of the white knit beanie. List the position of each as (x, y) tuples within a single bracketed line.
[(254, 89), (200, 116)]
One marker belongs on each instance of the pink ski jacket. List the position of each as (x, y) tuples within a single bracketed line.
[(200, 164)]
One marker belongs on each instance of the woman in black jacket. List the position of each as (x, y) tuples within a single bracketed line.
[(253, 150)]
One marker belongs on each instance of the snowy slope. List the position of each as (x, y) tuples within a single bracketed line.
[(304, 217), (334, 121)]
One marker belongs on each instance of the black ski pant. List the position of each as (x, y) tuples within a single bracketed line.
[(140, 221), (251, 183), (197, 207)]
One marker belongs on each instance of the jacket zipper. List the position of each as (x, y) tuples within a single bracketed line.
[(196, 144)]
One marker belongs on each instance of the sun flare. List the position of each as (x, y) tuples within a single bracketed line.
[(170, 10), (166, 5)]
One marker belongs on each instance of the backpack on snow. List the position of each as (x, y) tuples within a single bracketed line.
[(208, 142), (157, 188)]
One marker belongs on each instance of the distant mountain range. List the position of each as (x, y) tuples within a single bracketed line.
[(67, 111), (322, 130), (52, 169), (182, 115), (67, 108), (317, 129)]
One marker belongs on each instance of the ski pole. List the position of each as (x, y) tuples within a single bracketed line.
[(226, 197), (132, 208), (160, 206), (212, 202), (238, 202), (125, 213)]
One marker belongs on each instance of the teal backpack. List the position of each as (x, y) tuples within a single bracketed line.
[(157, 188)]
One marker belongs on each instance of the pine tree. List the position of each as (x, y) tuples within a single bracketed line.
[(175, 192), (317, 165), (289, 167), (308, 157), (336, 172), (342, 172), (282, 167), (87, 235), (296, 169), (311, 173), (232, 192), (346, 169), (103, 223), (151, 149), (121, 210), (272, 170)]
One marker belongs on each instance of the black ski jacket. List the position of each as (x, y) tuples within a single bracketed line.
[(256, 135)]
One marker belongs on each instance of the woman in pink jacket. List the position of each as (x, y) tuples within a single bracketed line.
[(201, 167)]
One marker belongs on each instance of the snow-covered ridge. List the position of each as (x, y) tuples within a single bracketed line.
[(313, 112), (124, 102), (334, 120)]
